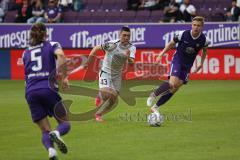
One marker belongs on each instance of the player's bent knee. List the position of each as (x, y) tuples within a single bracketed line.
[(113, 99), (109, 94), (105, 95), (45, 129), (62, 119), (173, 85), (173, 90), (44, 125)]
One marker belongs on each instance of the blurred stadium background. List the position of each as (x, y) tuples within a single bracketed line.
[(204, 115), (116, 11)]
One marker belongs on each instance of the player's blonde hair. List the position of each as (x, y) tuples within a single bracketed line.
[(198, 18)]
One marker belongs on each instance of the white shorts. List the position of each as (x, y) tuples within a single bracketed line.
[(107, 80)]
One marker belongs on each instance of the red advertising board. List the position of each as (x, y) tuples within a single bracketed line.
[(17, 69), (222, 64)]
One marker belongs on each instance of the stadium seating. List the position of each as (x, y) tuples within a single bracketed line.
[(93, 5), (128, 16), (70, 17), (120, 5), (113, 17), (10, 16), (156, 16), (142, 16), (198, 3), (114, 11), (211, 5), (11, 4), (98, 17), (224, 4), (108, 4), (84, 17)]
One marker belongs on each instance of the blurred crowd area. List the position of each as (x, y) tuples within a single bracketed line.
[(117, 11)]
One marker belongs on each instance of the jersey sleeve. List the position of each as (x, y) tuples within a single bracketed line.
[(23, 54), (55, 45), (132, 52), (178, 36), (109, 46), (206, 43)]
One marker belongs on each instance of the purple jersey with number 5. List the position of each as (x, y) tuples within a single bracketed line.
[(39, 62)]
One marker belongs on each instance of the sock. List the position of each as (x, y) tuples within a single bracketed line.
[(163, 99), (52, 152), (155, 108), (46, 140), (98, 100), (165, 86), (63, 128), (102, 107)]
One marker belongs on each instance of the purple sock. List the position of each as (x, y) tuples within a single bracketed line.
[(163, 99), (63, 128), (46, 140), (162, 88)]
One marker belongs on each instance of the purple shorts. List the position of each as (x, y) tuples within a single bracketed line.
[(43, 102), (180, 71)]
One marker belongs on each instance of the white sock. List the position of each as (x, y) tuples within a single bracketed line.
[(57, 133), (52, 152), (155, 108), (150, 99), (103, 106)]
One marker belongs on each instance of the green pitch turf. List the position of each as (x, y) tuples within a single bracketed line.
[(203, 123)]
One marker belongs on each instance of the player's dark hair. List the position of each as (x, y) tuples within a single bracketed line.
[(37, 34), (125, 28)]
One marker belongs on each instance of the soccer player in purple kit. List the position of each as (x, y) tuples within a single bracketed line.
[(190, 42), (40, 60)]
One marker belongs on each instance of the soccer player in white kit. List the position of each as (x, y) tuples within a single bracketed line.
[(117, 52)]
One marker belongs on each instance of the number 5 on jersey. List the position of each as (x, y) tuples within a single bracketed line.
[(36, 58)]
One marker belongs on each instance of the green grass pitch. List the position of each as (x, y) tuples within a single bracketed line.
[(203, 124)]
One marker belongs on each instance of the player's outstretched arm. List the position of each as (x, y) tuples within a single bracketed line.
[(169, 46), (92, 54), (61, 60), (130, 60), (204, 53), (61, 65)]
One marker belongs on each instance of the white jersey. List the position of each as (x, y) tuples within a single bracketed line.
[(116, 56)]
